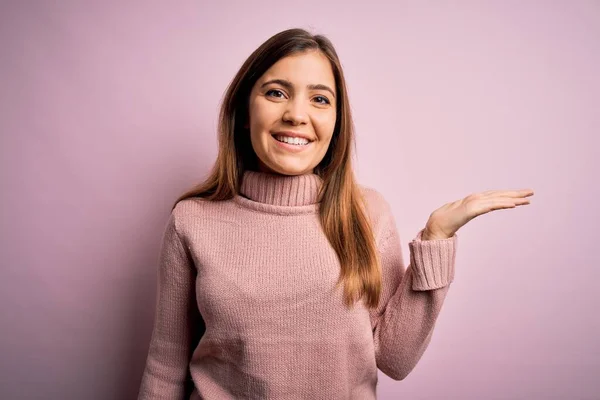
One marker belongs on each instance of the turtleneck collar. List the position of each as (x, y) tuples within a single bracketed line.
[(281, 190)]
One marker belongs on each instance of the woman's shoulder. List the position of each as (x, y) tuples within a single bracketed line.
[(195, 211), (375, 201), (191, 204), (378, 209)]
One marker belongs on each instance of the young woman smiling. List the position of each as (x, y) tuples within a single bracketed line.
[(280, 277)]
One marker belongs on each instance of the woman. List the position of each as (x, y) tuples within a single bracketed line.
[(280, 277)]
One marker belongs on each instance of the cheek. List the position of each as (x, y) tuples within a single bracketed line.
[(324, 124), (261, 121), (262, 114)]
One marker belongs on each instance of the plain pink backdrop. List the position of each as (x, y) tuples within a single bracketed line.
[(108, 111)]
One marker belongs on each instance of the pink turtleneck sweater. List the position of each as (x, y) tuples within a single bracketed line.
[(247, 309)]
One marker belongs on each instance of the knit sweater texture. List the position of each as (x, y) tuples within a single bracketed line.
[(247, 306)]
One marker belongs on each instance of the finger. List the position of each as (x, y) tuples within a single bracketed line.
[(508, 193), (499, 204), (521, 202), (513, 202)]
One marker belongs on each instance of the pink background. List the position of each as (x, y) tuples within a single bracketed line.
[(108, 111)]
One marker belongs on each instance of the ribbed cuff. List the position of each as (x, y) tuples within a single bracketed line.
[(432, 261)]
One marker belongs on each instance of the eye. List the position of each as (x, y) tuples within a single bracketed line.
[(326, 100), (274, 90)]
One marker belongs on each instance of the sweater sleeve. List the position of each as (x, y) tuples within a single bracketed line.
[(177, 323), (411, 298)]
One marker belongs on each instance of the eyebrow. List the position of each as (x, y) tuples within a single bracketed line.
[(288, 85)]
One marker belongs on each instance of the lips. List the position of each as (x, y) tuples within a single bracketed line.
[(282, 141), (293, 135), (294, 148)]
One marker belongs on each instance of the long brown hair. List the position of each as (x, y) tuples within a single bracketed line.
[(342, 214)]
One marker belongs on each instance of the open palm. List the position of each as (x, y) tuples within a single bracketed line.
[(444, 222)]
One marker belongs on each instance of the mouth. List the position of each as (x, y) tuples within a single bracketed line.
[(279, 134), (291, 146)]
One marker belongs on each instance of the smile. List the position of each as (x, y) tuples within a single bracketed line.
[(294, 141), (291, 147)]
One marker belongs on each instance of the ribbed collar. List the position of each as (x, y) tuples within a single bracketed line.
[(281, 190)]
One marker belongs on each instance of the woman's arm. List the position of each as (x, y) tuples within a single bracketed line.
[(411, 298), (177, 324)]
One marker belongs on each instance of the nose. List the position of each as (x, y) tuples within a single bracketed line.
[(295, 112)]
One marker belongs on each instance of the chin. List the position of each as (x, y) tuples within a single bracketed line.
[(288, 170)]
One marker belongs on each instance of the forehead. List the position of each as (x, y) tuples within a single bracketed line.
[(305, 68)]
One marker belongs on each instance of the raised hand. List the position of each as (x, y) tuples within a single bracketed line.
[(444, 222)]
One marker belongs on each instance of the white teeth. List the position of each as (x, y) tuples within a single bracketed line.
[(297, 141)]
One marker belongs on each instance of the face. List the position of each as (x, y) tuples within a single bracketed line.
[(293, 97)]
